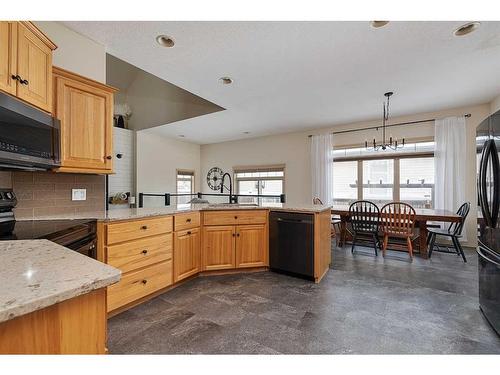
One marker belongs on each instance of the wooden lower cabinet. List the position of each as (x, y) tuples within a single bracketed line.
[(132, 255), (74, 326), (186, 253), (137, 284), (251, 246), (239, 246), (218, 247)]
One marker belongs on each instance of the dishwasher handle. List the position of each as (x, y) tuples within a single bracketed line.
[(299, 221)]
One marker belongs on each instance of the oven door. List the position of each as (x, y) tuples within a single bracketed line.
[(86, 246), (29, 138)]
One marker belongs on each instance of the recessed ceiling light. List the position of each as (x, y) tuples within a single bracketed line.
[(226, 80), (466, 29), (165, 41), (377, 24)]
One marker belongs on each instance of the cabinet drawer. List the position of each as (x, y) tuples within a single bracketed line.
[(136, 254), (235, 217), (132, 230), (186, 221), (137, 284)]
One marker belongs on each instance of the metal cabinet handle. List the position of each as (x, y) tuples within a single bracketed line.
[(144, 227), (144, 281), (24, 82), (15, 77), (188, 220), (188, 233), (237, 234), (234, 234), (109, 157), (236, 217), (144, 252)]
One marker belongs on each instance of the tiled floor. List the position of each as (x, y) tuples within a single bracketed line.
[(363, 305)]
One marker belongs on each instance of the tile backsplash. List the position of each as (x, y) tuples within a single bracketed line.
[(46, 194)]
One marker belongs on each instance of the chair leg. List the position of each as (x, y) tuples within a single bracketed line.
[(458, 246), (375, 243), (354, 235), (431, 243), (410, 247), (384, 247)]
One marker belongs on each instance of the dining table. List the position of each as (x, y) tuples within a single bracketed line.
[(423, 218)]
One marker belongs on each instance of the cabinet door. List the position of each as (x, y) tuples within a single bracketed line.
[(251, 246), (86, 126), (186, 253), (8, 56), (34, 66), (218, 248)]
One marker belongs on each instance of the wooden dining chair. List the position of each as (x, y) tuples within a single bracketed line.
[(365, 219), (335, 222), (398, 220), (454, 232)]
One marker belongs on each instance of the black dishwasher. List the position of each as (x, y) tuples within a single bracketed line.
[(291, 243)]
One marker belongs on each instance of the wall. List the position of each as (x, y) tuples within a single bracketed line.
[(293, 151), (75, 52), (495, 105), (157, 160), (45, 194), (123, 180)]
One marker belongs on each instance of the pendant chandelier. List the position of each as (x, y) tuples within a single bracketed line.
[(392, 144)]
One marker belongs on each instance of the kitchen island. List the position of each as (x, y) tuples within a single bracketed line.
[(158, 248), (52, 299)]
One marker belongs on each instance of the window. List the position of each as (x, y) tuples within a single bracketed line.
[(405, 175), (185, 185), (259, 181), (345, 180), (416, 181), (378, 180)]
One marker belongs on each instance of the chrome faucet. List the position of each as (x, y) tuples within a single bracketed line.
[(232, 199)]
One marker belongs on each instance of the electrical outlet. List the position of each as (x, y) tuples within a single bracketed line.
[(78, 194)]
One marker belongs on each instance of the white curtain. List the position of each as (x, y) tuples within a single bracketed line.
[(322, 167), (449, 162)]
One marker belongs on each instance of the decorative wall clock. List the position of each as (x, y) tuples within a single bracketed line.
[(214, 178)]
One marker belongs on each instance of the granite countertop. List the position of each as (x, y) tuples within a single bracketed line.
[(138, 213), (39, 273)]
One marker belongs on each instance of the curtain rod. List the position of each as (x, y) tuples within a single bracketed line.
[(467, 115)]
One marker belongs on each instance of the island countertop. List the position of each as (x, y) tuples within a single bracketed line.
[(39, 273)]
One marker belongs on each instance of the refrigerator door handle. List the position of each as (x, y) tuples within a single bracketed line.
[(496, 184), (484, 256), (490, 213)]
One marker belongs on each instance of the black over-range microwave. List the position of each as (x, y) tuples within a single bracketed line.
[(29, 138)]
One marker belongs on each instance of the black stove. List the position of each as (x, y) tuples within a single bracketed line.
[(76, 234)]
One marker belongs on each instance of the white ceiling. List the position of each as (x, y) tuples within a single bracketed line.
[(291, 76)]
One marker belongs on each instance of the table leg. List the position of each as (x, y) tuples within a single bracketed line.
[(342, 231), (423, 239)]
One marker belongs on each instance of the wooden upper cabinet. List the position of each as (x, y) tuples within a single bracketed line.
[(186, 253), (85, 108), (26, 63), (251, 246), (218, 248), (34, 66), (8, 56)]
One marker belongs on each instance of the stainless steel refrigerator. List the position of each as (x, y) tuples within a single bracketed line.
[(488, 187)]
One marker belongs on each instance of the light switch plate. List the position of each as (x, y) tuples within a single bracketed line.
[(78, 194)]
